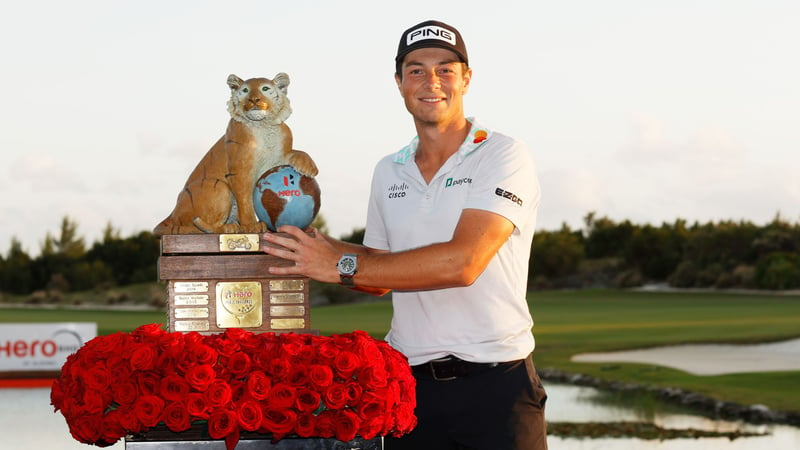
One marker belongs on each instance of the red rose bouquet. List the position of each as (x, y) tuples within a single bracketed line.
[(336, 386)]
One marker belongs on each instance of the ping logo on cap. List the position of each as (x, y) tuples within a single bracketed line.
[(431, 32)]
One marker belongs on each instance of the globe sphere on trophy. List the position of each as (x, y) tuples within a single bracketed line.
[(284, 196), (250, 182)]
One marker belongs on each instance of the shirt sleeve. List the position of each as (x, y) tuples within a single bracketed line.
[(507, 183), (375, 235)]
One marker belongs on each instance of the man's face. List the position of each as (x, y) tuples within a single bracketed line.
[(433, 83)]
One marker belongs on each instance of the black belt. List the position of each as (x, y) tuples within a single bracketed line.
[(450, 368)]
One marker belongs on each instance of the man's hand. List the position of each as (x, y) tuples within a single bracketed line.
[(312, 254)]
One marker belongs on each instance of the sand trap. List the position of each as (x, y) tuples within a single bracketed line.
[(711, 359)]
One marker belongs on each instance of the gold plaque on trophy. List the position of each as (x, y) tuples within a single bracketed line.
[(238, 242), (239, 304)]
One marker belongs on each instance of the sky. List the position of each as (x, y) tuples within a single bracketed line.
[(649, 111)]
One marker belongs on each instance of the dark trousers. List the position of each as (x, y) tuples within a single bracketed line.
[(501, 408)]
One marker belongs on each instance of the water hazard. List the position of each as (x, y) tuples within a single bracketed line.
[(28, 421)]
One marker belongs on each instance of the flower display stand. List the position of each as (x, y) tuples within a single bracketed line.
[(161, 438), (219, 281)]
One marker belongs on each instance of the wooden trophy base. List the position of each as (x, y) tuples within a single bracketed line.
[(220, 281)]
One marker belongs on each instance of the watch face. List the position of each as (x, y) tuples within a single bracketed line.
[(347, 265)]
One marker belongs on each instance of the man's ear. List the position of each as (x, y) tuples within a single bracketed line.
[(398, 81), (467, 79)]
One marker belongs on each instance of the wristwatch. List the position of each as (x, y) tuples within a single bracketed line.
[(347, 266)]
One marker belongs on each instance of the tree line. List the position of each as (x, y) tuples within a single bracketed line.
[(603, 253)]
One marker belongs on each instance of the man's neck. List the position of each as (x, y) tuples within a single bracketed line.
[(437, 143)]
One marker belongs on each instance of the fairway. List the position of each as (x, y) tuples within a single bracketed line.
[(571, 322)]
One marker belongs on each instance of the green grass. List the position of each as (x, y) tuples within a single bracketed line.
[(570, 322)]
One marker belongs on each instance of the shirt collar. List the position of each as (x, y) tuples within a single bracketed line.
[(476, 136)]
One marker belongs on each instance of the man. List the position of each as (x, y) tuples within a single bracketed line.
[(449, 229)]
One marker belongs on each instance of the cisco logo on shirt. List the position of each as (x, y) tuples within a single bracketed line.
[(397, 190)]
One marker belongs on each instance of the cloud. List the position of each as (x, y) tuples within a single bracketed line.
[(44, 173)]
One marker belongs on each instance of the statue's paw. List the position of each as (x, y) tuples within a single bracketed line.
[(304, 164), (230, 228), (260, 227)]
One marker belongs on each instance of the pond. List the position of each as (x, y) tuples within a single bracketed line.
[(28, 421)]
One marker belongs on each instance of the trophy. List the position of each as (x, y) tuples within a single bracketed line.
[(250, 182)]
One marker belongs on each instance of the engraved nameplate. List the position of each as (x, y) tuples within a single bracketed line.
[(286, 285), (191, 313), (287, 310), (191, 325), (184, 287), (190, 300), (290, 297), (287, 324), (238, 242), (239, 304)]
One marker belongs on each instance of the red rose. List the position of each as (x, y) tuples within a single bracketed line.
[(325, 427), (97, 377), (119, 367), (149, 383), (148, 409), (336, 396), (204, 354), (371, 405), (152, 330), (258, 385), (327, 351), (305, 425), (282, 396), (306, 355), (86, 428), (292, 343), (371, 427), (345, 425), (127, 418), (57, 394), (92, 402), (405, 420), (171, 344), (176, 417), (298, 376), (373, 376), (279, 368), (354, 392), (197, 406), (143, 357), (174, 388), (112, 429), (200, 376), (249, 415), (346, 364), (239, 364), (308, 400), (278, 421), (124, 392), (366, 347), (221, 423), (218, 393), (320, 376)]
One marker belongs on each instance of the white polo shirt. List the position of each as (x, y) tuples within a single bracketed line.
[(488, 321)]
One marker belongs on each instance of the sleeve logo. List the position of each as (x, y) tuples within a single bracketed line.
[(500, 192)]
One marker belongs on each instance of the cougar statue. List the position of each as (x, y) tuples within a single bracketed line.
[(218, 196)]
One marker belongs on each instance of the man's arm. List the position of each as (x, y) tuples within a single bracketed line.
[(478, 236)]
